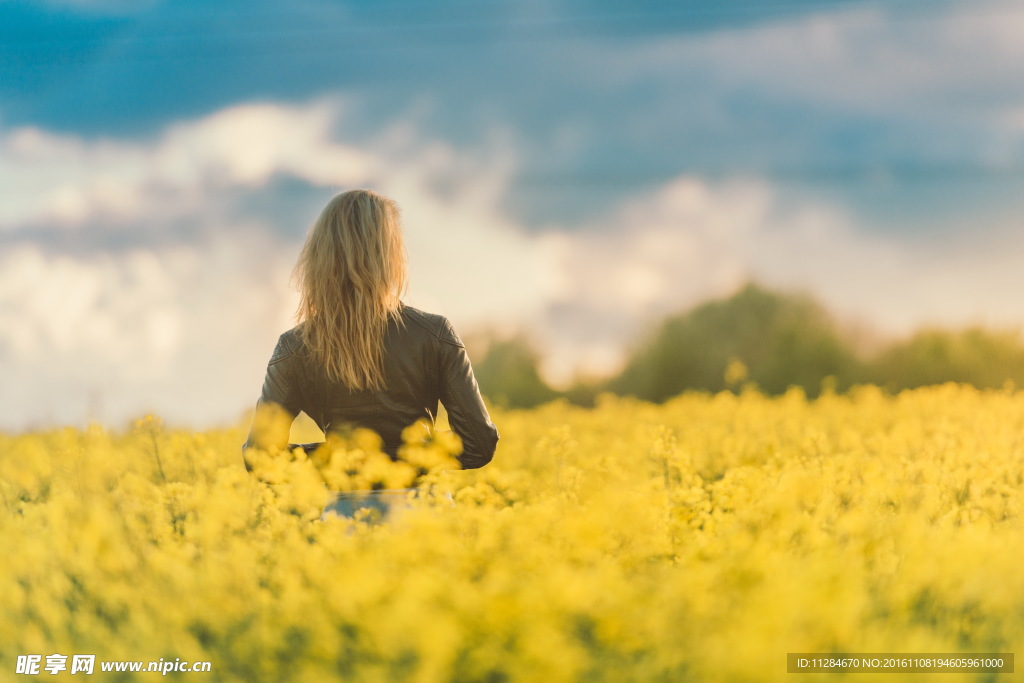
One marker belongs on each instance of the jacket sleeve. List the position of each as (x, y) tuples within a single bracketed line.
[(460, 396), (279, 402)]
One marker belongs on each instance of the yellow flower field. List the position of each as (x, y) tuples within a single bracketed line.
[(700, 540)]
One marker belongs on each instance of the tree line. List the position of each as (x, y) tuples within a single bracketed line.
[(769, 339)]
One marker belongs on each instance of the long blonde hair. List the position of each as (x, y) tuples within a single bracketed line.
[(351, 275)]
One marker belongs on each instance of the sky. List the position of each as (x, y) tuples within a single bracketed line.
[(570, 171)]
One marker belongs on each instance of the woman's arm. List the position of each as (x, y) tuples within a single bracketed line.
[(460, 396), (278, 404)]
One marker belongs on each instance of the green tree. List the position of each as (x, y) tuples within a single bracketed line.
[(508, 375), (984, 358), (781, 340)]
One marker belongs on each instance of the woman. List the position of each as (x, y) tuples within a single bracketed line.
[(359, 357)]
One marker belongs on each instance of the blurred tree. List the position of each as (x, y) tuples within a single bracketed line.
[(987, 359), (585, 390), (770, 339), (508, 375)]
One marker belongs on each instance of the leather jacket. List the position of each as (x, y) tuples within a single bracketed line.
[(424, 362)]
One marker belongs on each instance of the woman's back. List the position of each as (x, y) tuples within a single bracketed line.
[(424, 362), (359, 357)]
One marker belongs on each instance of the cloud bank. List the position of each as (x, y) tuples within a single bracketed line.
[(153, 273), (184, 328)]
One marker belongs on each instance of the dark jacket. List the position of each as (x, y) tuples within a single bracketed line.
[(424, 362)]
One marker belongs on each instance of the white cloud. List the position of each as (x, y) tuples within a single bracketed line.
[(183, 330), (657, 254), (246, 144), (454, 237), (188, 327), (690, 241), (956, 66), (66, 181)]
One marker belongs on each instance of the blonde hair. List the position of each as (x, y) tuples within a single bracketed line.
[(351, 275)]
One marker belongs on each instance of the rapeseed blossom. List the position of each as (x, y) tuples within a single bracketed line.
[(702, 539)]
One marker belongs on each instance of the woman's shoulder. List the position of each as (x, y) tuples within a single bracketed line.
[(288, 344), (432, 322), (437, 325)]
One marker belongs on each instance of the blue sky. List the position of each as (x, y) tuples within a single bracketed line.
[(589, 166)]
